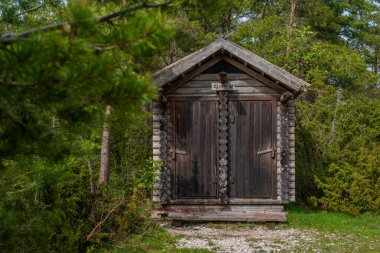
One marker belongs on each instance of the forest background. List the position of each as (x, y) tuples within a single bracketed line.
[(65, 64)]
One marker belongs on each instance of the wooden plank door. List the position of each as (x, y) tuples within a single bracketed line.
[(195, 148), (252, 170)]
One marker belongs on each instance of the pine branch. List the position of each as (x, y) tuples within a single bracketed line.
[(13, 83), (101, 222), (11, 38), (29, 10), (13, 179), (142, 5)]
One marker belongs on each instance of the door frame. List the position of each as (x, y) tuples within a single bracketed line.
[(232, 201)]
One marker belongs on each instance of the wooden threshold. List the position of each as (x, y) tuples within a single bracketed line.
[(222, 213), (231, 201)]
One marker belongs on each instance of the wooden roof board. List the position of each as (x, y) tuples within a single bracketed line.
[(174, 70)]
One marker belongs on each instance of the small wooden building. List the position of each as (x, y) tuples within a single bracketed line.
[(224, 131)]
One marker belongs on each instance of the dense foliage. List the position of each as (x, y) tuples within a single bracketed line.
[(56, 83), (334, 45), (55, 86)]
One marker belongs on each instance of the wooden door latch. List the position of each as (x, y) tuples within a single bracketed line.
[(177, 151), (273, 150)]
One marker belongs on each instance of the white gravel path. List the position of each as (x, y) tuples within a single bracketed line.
[(259, 238)]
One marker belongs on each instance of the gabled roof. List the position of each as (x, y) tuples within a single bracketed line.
[(180, 67)]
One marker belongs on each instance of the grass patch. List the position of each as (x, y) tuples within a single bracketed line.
[(152, 239), (367, 225), (334, 232), (253, 239), (349, 233)]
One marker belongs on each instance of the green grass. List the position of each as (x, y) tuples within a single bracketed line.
[(154, 239), (365, 225), (336, 232), (350, 233)]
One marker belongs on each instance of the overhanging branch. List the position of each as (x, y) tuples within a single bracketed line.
[(10, 38), (142, 5), (29, 10), (13, 83)]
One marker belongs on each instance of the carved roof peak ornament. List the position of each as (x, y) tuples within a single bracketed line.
[(223, 77)]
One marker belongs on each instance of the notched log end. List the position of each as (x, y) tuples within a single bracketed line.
[(286, 96)]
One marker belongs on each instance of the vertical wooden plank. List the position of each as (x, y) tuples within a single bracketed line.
[(215, 157), (241, 151), (189, 144), (212, 150), (266, 143), (178, 136), (201, 150), (274, 145), (247, 137), (172, 150), (256, 167), (233, 147)]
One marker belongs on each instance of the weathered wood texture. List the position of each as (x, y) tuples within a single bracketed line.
[(285, 157), (165, 175), (223, 146), (231, 201), (252, 175), (247, 213), (195, 155), (155, 109), (244, 84), (291, 152), (242, 87), (253, 61), (291, 147), (161, 142)]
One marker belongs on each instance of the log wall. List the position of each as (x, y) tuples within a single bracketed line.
[(246, 86), (285, 172)]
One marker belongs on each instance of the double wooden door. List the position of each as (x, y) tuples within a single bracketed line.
[(250, 149)]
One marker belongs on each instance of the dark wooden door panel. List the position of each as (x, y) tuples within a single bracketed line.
[(251, 132), (195, 150)]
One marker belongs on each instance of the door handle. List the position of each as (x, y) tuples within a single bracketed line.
[(175, 152), (273, 150), (182, 152)]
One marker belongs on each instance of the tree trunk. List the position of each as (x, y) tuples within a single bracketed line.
[(339, 97), (90, 170), (264, 9), (105, 150), (292, 23), (375, 65)]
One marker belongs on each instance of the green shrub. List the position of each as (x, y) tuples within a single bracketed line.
[(353, 189), (338, 150), (137, 212)]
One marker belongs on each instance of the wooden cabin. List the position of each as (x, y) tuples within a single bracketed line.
[(223, 128)]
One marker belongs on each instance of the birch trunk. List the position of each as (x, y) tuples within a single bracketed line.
[(292, 23), (90, 170), (375, 65), (105, 149), (339, 97)]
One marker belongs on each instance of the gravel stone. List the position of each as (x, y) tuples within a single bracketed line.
[(234, 240)]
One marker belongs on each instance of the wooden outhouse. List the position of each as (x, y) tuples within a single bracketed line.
[(223, 128)]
